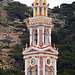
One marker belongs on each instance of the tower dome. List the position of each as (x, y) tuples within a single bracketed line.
[(40, 8), (40, 2)]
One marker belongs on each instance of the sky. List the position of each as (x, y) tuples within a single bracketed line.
[(52, 3)]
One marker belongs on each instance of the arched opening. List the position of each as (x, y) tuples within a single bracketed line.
[(46, 71), (30, 71), (36, 71), (33, 71), (35, 37), (45, 37), (51, 71), (35, 11), (40, 11)]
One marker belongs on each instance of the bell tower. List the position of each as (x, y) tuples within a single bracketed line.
[(40, 58)]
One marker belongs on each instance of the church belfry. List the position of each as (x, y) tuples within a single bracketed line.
[(40, 58)]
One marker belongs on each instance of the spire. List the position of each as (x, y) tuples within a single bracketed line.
[(54, 45)]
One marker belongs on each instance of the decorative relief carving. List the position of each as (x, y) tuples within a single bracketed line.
[(40, 20)]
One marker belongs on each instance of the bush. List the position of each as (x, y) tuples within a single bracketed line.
[(6, 41), (6, 47), (10, 19), (0, 60)]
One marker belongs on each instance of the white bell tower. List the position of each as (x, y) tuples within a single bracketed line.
[(40, 57)]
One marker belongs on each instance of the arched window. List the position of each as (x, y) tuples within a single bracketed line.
[(45, 37), (46, 71), (30, 71), (36, 71), (35, 37), (51, 71)]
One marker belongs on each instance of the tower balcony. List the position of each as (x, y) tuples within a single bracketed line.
[(40, 20)]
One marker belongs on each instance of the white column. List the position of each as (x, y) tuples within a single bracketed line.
[(38, 66), (55, 67), (34, 37), (46, 11), (30, 36), (43, 66), (43, 1), (37, 11), (50, 35), (38, 1), (26, 66), (38, 36), (43, 11), (33, 11)]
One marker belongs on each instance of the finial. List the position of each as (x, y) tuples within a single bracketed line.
[(23, 49), (26, 46), (33, 4), (29, 14), (54, 45), (47, 4), (57, 49)]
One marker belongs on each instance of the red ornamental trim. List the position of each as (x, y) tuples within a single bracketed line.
[(45, 47), (47, 4), (40, 37), (30, 34), (30, 57), (49, 43), (25, 58), (55, 59), (35, 56), (45, 56), (43, 3), (51, 57), (36, 3), (41, 53), (32, 4), (50, 34)]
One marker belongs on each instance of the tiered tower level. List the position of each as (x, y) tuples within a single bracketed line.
[(40, 58)]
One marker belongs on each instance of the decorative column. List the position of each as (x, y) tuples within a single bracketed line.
[(38, 36), (26, 66), (46, 11), (43, 1), (43, 36), (43, 11), (49, 36), (33, 11), (43, 66), (38, 1), (30, 36), (37, 11), (38, 66)]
